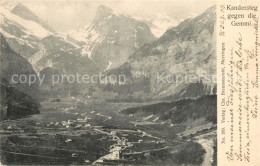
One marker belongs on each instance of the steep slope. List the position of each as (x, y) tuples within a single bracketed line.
[(57, 53), (111, 38), (21, 28), (180, 64), (106, 43), (64, 58), (17, 99), (33, 39), (14, 64)]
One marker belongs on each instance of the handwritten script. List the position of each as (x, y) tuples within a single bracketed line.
[(238, 83)]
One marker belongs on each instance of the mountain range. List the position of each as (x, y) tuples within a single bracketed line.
[(119, 44), (111, 38), (185, 50)]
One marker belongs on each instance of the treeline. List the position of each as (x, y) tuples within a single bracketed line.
[(15, 104), (181, 110)]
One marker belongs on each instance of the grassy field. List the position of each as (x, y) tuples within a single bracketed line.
[(79, 132)]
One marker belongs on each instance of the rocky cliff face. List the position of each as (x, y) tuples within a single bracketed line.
[(106, 43), (187, 50), (119, 44), (111, 38), (55, 52)]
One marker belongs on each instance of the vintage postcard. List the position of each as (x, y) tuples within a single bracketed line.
[(129, 82)]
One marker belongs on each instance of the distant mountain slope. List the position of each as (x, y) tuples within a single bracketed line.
[(111, 38), (187, 50), (36, 41), (106, 43), (21, 28), (23, 12), (160, 22)]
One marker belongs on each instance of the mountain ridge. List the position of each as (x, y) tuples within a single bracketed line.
[(111, 38), (185, 50)]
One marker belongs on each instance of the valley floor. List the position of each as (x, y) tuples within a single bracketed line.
[(73, 131)]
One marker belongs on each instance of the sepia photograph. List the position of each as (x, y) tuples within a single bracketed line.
[(108, 82)]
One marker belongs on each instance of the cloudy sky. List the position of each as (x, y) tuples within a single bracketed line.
[(64, 15)]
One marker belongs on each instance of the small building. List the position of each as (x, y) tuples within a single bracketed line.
[(129, 144), (115, 138), (140, 140), (113, 132), (116, 153)]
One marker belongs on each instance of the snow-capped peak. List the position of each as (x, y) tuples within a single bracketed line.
[(161, 23), (30, 27)]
